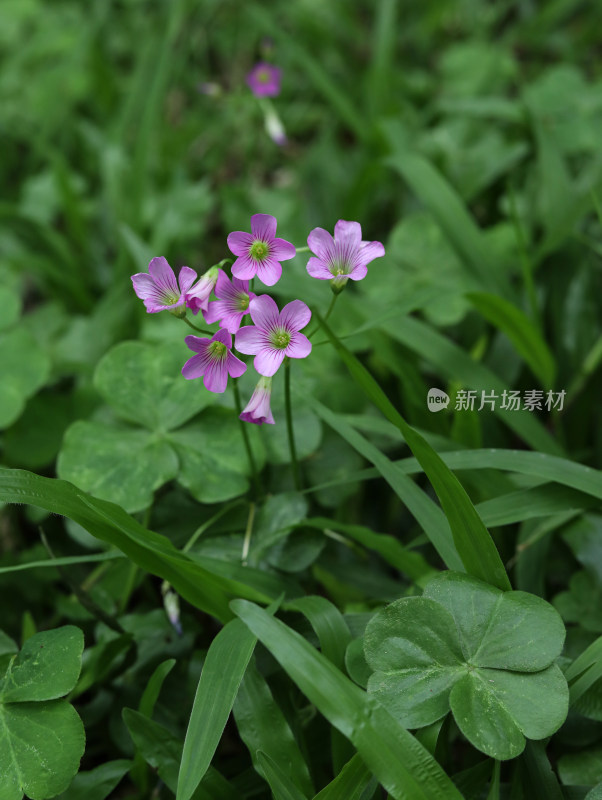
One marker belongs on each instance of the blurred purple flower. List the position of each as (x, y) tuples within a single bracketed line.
[(232, 303), (275, 334), (346, 256), (274, 127), (197, 299), (215, 361), (264, 80), (258, 408), (259, 252), (159, 288)]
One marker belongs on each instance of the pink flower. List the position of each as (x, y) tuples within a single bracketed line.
[(159, 288), (232, 303), (259, 253), (214, 361), (275, 334), (197, 299), (258, 408), (264, 80), (343, 257)]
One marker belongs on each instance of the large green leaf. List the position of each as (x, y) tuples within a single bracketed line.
[(486, 654), (400, 763), (98, 783), (41, 736), (25, 369), (471, 538)]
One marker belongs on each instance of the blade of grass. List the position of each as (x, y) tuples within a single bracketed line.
[(401, 764), (221, 676), (523, 334), (424, 510), (328, 623), (472, 540), (282, 787), (349, 784), (263, 727)]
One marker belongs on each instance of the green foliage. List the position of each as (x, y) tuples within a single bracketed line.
[(485, 654), (42, 736)]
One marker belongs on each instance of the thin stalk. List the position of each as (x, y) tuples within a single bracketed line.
[(206, 525), (196, 328), (328, 313), (247, 442), (248, 533), (302, 250), (289, 423), (525, 261)]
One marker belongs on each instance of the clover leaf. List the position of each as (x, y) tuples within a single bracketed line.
[(41, 736), (486, 655), (126, 461), (25, 369)]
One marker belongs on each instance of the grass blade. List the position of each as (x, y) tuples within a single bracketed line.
[(349, 784), (523, 334), (281, 786), (425, 511), (473, 542), (263, 727), (222, 673), (329, 625)]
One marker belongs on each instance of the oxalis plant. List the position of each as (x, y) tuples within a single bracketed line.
[(462, 655)]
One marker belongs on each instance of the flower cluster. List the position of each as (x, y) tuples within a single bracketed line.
[(275, 334)]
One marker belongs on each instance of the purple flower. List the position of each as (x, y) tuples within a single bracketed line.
[(214, 361), (264, 80), (159, 288), (343, 257), (232, 303), (258, 408), (275, 334), (259, 253), (197, 299), (274, 127)]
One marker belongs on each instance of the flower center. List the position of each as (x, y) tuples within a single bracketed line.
[(263, 76), (170, 298), (218, 350), (338, 268), (243, 302), (259, 250), (280, 338)]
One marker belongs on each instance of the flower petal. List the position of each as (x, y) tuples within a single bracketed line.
[(196, 343), (240, 286), (321, 243), (264, 312), (282, 250), (299, 346), (144, 286), (224, 337), (235, 366), (359, 272), (239, 242), (295, 315), (318, 269), (263, 226), (244, 268), (196, 366), (163, 275), (369, 251), (348, 235), (216, 376), (223, 287), (186, 278), (269, 271), (215, 312), (268, 360), (249, 340)]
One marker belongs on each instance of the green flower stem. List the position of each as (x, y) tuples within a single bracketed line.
[(248, 533), (246, 440), (192, 325), (328, 313), (289, 423), (302, 250), (223, 262)]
